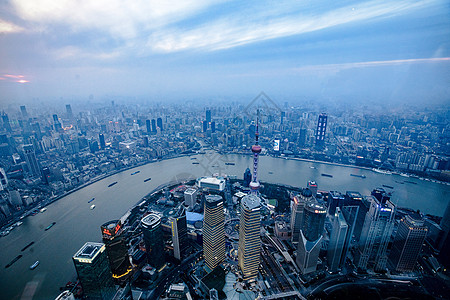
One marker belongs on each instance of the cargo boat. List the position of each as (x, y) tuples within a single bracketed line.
[(111, 184), (91, 200), (27, 246), (195, 163), (326, 175), (147, 179), (33, 266), (230, 163), (356, 175), (13, 261), (134, 173), (388, 186), (50, 226)]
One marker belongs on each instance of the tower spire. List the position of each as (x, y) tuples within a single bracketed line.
[(256, 149)]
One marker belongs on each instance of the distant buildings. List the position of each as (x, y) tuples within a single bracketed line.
[(408, 242), (311, 236), (321, 131), (153, 239), (91, 264), (249, 236), (213, 232), (376, 233)]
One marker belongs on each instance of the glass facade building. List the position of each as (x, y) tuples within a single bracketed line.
[(213, 232), (153, 239)]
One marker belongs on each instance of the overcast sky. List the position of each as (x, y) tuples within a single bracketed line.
[(376, 50)]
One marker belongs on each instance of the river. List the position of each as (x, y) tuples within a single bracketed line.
[(76, 223)]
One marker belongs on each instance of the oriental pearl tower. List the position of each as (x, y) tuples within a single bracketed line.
[(256, 149)]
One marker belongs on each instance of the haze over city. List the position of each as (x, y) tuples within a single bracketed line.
[(166, 51)]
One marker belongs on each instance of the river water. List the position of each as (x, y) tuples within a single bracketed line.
[(76, 223)]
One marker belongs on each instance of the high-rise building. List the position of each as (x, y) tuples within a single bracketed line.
[(312, 186), (3, 179), (6, 123), (159, 123), (24, 112), (444, 244), (213, 232), (57, 125), (337, 240), (321, 130), (408, 242), (247, 177), (256, 149), (148, 126), (116, 249), (208, 115), (356, 199), (69, 111), (101, 138), (154, 125), (350, 214), (153, 239), (204, 126), (213, 126), (190, 197), (335, 199), (297, 211), (91, 264), (30, 158), (249, 236), (311, 236), (179, 233), (376, 234)]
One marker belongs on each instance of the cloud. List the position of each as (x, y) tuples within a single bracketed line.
[(7, 27)]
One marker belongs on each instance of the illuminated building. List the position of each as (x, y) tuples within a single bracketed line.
[(153, 239), (320, 131), (297, 209), (213, 232), (408, 242), (179, 233), (91, 264), (376, 234), (249, 236), (337, 240), (310, 236), (30, 158), (256, 149), (116, 249)]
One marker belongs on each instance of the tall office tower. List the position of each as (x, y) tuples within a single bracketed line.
[(179, 233), (153, 239), (320, 131), (350, 214), (190, 197), (56, 122), (213, 232), (3, 179), (297, 212), (312, 186), (337, 240), (302, 137), (249, 236), (213, 126), (24, 112), (247, 177), (119, 262), (154, 125), (69, 111), (148, 126), (311, 237), (376, 234), (30, 158), (335, 199), (256, 149), (91, 264), (6, 123), (444, 245), (159, 123), (355, 199), (204, 126), (408, 242), (208, 115), (101, 138)]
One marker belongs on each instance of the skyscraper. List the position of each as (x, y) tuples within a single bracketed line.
[(356, 199), (30, 158), (24, 112), (101, 138), (148, 126), (116, 249), (256, 149), (311, 236), (179, 233), (249, 236), (57, 125), (297, 211), (337, 240), (408, 242), (153, 239), (6, 123), (190, 197), (350, 214), (376, 234), (312, 186), (159, 123), (335, 199), (321, 130), (69, 111), (154, 125), (247, 177), (208, 115), (93, 271), (213, 232)]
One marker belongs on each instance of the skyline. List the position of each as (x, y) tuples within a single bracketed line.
[(362, 50)]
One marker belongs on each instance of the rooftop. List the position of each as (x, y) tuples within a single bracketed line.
[(151, 219), (251, 202), (89, 251)]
